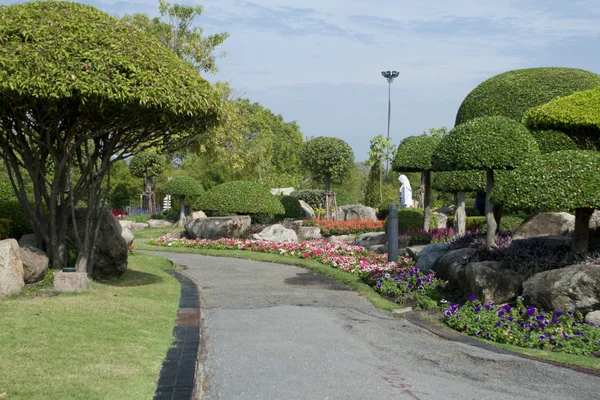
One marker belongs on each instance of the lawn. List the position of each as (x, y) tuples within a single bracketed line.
[(106, 343)]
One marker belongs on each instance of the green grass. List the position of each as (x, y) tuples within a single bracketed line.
[(152, 233), (106, 343)]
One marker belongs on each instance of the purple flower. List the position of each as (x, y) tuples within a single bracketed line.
[(443, 301), (510, 318), (540, 317), (479, 332), (409, 287), (542, 337), (448, 313), (501, 313), (472, 298), (487, 335), (541, 325), (520, 298), (487, 307), (505, 326), (420, 288), (465, 327), (507, 307), (558, 313), (530, 311), (554, 320), (498, 324), (526, 337)]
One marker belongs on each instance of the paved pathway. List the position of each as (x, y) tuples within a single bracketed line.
[(281, 332)]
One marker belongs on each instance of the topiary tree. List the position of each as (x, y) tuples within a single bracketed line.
[(329, 160), (182, 187), (459, 183), (79, 91), (292, 207), (559, 181), (414, 155), (240, 197), (148, 165), (313, 197), (550, 140), (488, 143), (512, 93)]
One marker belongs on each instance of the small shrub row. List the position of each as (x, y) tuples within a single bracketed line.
[(508, 223), (412, 218), (335, 227), (19, 224)]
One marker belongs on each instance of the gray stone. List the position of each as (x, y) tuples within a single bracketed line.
[(488, 281), (217, 227), (159, 223), (595, 220), (356, 212), (307, 210), (133, 226), (309, 233), (414, 251), (28, 240), (442, 219), (127, 235), (446, 210), (282, 191), (593, 318), (341, 238), (196, 215), (111, 250), (451, 267), (576, 287), (11, 268), (35, 263), (378, 248), (550, 223), (276, 233), (430, 254), (370, 239), (68, 282)]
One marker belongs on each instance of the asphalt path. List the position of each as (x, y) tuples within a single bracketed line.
[(274, 331)]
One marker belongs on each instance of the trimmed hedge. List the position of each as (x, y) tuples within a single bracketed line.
[(13, 211), (553, 140), (412, 218), (485, 143), (316, 197), (4, 228), (512, 93), (343, 197), (458, 181), (183, 186), (577, 114), (240, 197), (558, 181), (414, 153), (508, 223), (292, 207)]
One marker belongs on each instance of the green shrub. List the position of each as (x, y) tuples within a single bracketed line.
[(512, 93), (471, 223), (185, 186), (343, 197), (6, 190), (13, 211), (240, 197), (120, 197), (292, 207), (327, 158), (508, 223), (4, 228), (458, 181), (314, 197), (412, 218), (414, 153), (551, 140), (383, 207), (138, 218)]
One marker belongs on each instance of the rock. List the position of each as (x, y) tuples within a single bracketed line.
[(35, 263), (356, 212), (593, 318), (595, 220), (276, 233), (451, 267), (446, 210), (340, 238), (403, 241), (378, 248), (414, 251), (196, 215), (28, 240), (309, 233), (217, 227), (127, 235), (159, 223), (111, 252), (370, 239), (575, 286), (550, 223), (442, 219), (174, 235), (11, 268), (488, 281), (307, 211), (282, 191), (133, 226), (68, 282), (430, 254)]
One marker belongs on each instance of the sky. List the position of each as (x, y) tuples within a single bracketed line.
[(319, 62)]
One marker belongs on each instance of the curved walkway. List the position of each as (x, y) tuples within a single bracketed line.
[(273, 331)]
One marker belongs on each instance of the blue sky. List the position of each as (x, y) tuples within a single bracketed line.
[(319, 62)]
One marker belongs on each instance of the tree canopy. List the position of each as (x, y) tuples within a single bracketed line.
[(415, 152), (327, 158), (183, 186), (147, 163)]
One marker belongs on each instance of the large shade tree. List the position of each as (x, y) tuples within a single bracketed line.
[(80, 90), (488, 144), (414, 155)]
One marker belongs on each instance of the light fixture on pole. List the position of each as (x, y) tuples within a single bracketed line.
[(390, 76)]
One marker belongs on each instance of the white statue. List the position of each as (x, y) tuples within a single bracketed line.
[(406, 200)]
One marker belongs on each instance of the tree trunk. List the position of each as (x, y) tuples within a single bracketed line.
[(149, 203), (426, 178), (498, 217), (581, 234), (181, 212), (327, 204), (422, 190), (380, 187), (489, 213), (460, 217)]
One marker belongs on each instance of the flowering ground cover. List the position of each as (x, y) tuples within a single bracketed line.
[(524, 326), (401, 280)]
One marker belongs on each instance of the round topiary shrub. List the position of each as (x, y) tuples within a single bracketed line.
[(552, 140), (292, 207), (459, 181), (240, 197), (414, 153), (314, 197), (343, 197), (512, 93)]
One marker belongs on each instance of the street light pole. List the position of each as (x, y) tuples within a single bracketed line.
[(390, 76)]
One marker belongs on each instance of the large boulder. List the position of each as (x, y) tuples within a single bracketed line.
[(576, 287), (282, 191), (159, 223), (111, 251), (451, 266), (307, 210), (28, 240), (442, 219), (35, 263), (370, 239), (595, 220), (593, 318), (356, 212), (309, 233), (414, 251), (488, 281), (11, 268), (430, 254), (549, 223), (127, 235), (217, 227), (276, 233), (133, 226), (196, 215), (341, 239)]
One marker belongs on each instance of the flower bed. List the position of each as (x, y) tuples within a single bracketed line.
[(335, 227), (402, 280), (524, 326)]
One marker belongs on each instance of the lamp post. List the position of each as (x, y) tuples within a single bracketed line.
[(390, 76)]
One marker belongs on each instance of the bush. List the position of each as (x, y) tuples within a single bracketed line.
[(183, 186), (508, 223), (512, 93), (343, 197), (551, 140), (6, 190), (19, 225), (412, 218), (240, 197), (316, 197), (292, 207), (4, 228), (414, 153), (327, 157), (383, 207), (120, 197), (458, 181), (471, 223)]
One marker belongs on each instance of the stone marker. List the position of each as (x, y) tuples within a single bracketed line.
[(67, 282)]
